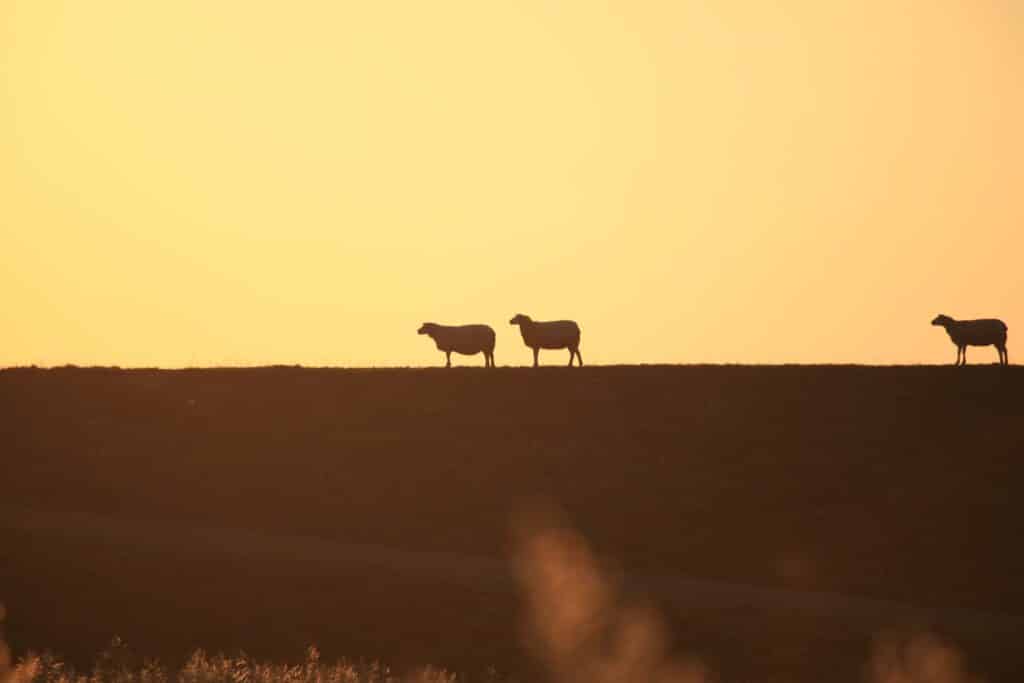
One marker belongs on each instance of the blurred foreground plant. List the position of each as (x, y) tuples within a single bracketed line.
[(116, 664)]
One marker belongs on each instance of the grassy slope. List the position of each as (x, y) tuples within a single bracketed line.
[(900, 483)]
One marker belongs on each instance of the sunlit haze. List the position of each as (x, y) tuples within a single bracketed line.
[(240, 183)]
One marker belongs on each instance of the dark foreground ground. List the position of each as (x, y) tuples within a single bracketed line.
[(780, 517)]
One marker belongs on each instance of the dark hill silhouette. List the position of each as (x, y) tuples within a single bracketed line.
[(868, 483)]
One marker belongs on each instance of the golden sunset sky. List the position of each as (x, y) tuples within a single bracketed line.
[(238, 183)]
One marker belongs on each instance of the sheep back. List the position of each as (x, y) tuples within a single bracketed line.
[(554, 334), (464, 339), (978, 332)]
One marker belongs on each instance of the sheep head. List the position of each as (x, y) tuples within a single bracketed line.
[(519, 319), (427, 328), (942, 320)]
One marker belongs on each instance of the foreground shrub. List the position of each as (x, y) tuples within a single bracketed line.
[(117, 664)]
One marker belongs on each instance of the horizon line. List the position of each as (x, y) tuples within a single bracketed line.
[(299, 366)]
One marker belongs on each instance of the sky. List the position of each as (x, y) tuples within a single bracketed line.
[(242, 183)]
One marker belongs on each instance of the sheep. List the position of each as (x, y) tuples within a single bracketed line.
[(985, 332), (468, 340), (556, 334)]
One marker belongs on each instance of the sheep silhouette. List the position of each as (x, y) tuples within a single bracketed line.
[(556, 334), (984, 332), (468, 340)]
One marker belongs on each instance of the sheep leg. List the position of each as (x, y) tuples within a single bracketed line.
[(449, 355), (963, 355), (579, 357), (536, 356), (571, 356)]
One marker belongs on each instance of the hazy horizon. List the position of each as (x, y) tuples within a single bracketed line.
[(464, 362), (229, 184)]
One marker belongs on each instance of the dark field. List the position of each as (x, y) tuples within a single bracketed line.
[(369, 511)]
